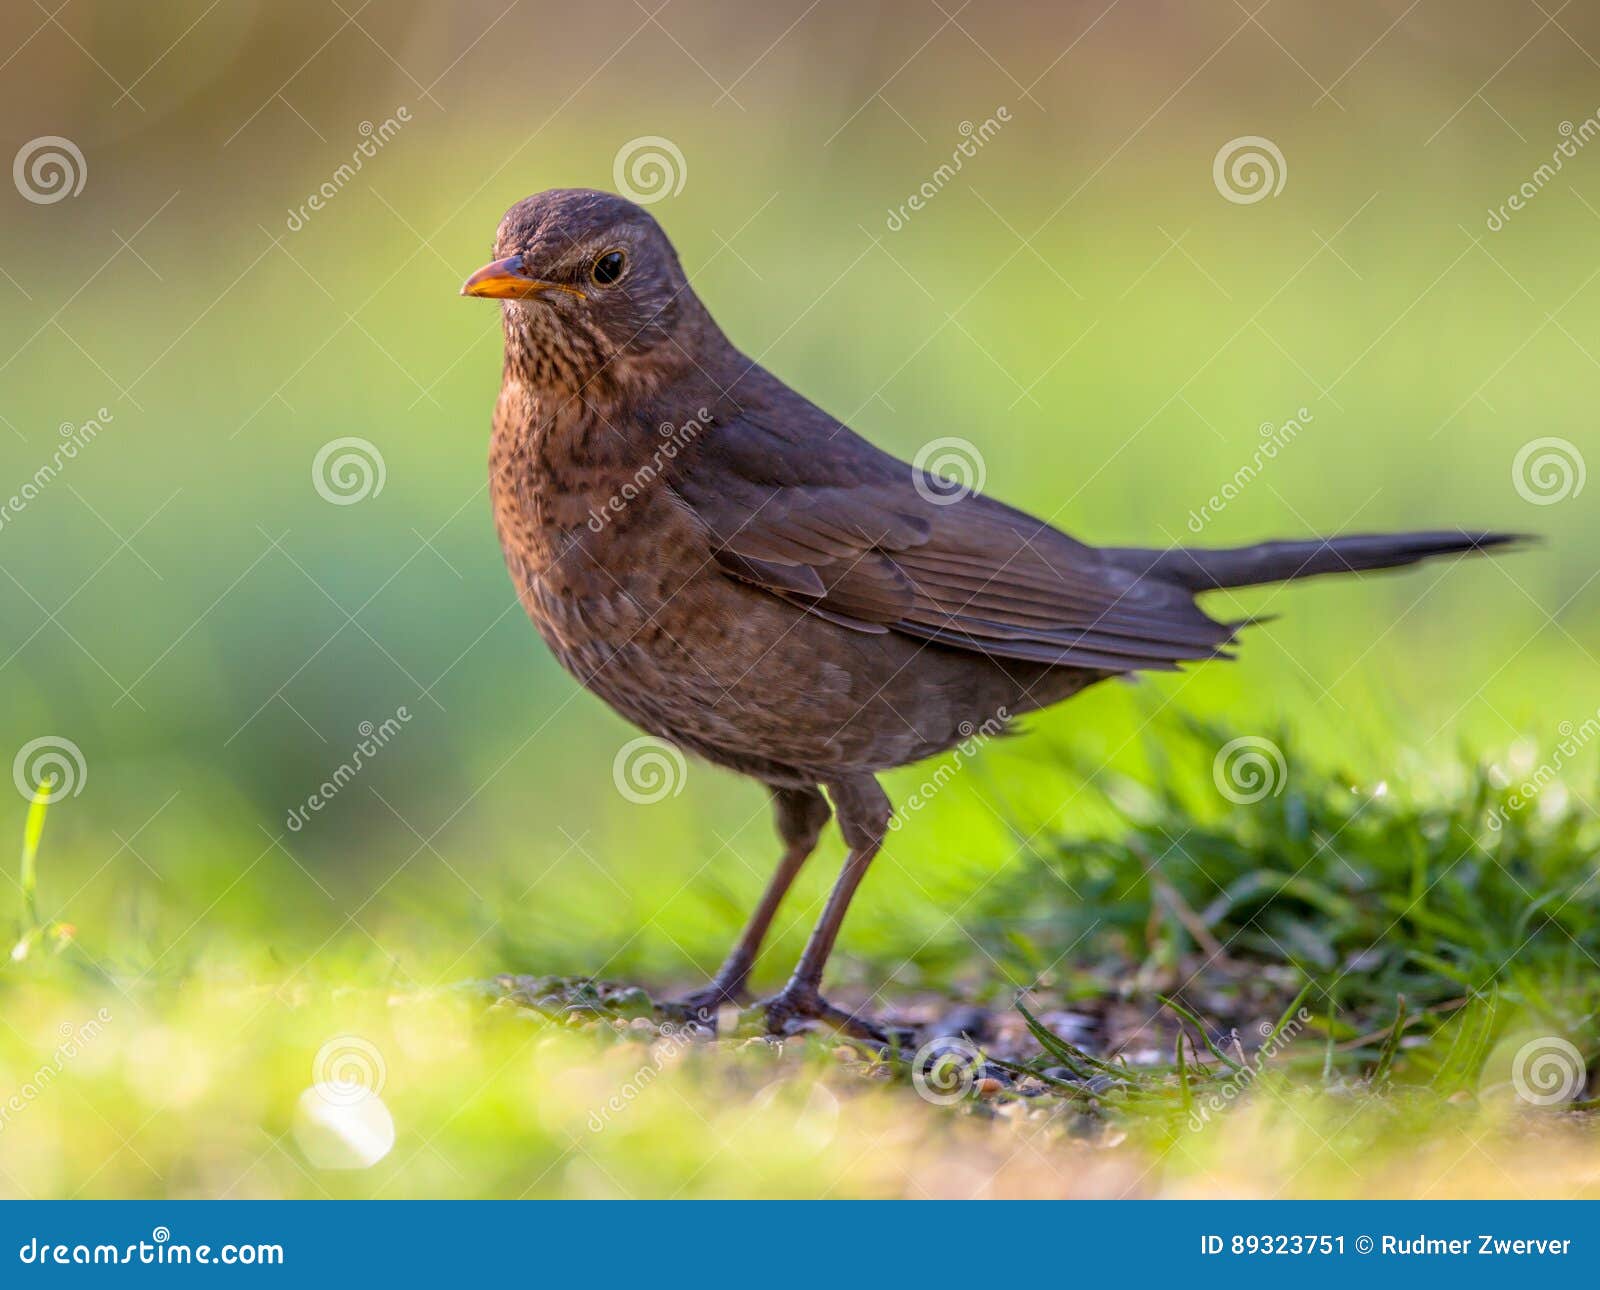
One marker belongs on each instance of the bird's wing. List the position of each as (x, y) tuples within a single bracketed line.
[(853, 535)]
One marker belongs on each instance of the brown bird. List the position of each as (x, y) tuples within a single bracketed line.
[(740, 574)]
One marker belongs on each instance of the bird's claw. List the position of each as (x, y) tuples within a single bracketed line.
[(701, 1007), (796, 1004)]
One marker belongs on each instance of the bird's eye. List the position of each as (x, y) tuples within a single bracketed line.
[(608, 268)]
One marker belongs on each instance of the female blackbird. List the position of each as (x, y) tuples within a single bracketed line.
[(739, 573)]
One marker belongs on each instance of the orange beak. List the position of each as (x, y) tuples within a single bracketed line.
[(505, 280)]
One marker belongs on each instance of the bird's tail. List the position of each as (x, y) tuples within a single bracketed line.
[(1207, 569)]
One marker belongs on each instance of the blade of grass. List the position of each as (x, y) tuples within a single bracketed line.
[(1202, 1031), (1288, 1013), (32, 831), (1183, 1076), (1327, 1055), (1392, 1046), (1076, 1091), (1073, 1058)]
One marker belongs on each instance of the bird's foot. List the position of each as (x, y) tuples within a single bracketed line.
[(701, 1007), (796, 1004)]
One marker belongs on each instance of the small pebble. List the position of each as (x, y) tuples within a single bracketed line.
[(632, 1002), (972, 1022)]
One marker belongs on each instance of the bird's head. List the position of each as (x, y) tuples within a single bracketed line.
[(590, 286)]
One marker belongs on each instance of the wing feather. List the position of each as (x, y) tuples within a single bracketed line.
[(854, 536)]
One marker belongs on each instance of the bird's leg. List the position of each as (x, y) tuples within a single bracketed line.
[(801, 815), (864, 820)]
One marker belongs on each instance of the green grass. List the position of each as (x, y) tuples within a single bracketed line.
[(1373, 890), (1328, 990)]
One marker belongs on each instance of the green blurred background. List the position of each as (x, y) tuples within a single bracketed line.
[(1080, 302)]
